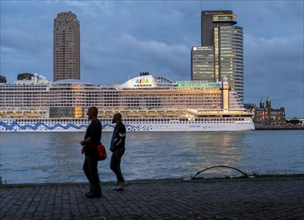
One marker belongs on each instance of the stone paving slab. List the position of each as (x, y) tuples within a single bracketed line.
[(259, 198)]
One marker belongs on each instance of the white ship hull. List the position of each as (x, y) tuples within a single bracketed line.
[(70, 125)]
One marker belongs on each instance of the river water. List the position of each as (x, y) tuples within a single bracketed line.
[(56, 157)]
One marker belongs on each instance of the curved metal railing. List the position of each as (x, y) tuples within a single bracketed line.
[(220, 166)]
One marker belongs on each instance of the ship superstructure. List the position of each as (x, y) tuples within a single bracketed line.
[(147, 103)]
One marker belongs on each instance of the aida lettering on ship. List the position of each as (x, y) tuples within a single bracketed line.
[(146, 102)]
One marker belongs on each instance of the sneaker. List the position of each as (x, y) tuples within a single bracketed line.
[(120, 187), (114, 187)]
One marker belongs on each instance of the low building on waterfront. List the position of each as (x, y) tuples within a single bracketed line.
[(266, 115), (267, 118)]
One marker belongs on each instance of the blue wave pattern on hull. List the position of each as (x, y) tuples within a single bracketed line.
[(14, 126)]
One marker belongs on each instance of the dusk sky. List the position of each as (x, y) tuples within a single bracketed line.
[(120, 39)]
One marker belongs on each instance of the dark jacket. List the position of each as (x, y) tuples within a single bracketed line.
[(118, 137), (94, 131)]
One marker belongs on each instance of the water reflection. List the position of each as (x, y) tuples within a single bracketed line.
[(56, 157), (212, 149)]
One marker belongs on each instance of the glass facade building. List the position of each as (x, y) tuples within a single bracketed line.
[(202, 63), (229, 56), (221, 36)]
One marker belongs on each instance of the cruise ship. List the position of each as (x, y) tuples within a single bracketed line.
[(146, 102)]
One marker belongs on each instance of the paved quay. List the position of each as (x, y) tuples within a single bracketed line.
[(253, 198)]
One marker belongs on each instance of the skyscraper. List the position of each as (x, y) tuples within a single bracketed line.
[(66, 46), (221, 50), (202, 60)]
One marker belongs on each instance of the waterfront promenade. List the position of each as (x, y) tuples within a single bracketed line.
[(253, 198)]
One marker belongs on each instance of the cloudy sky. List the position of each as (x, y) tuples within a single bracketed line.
[(119, 39)]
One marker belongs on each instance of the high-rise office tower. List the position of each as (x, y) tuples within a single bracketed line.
[(202, 63), (221, 50), (66, 46)]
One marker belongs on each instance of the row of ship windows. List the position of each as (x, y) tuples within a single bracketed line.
[(23, 87), (192, 122), (111, 97), (202, 96), (211, 107), (111, 94), (183, 120), (96, 88), (135, 120), (126, 100), (102, 98), (203, 105)]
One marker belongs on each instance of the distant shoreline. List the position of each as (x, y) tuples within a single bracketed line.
[(278, 127)]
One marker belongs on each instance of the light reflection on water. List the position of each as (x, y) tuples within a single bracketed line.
[(55, 157)]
